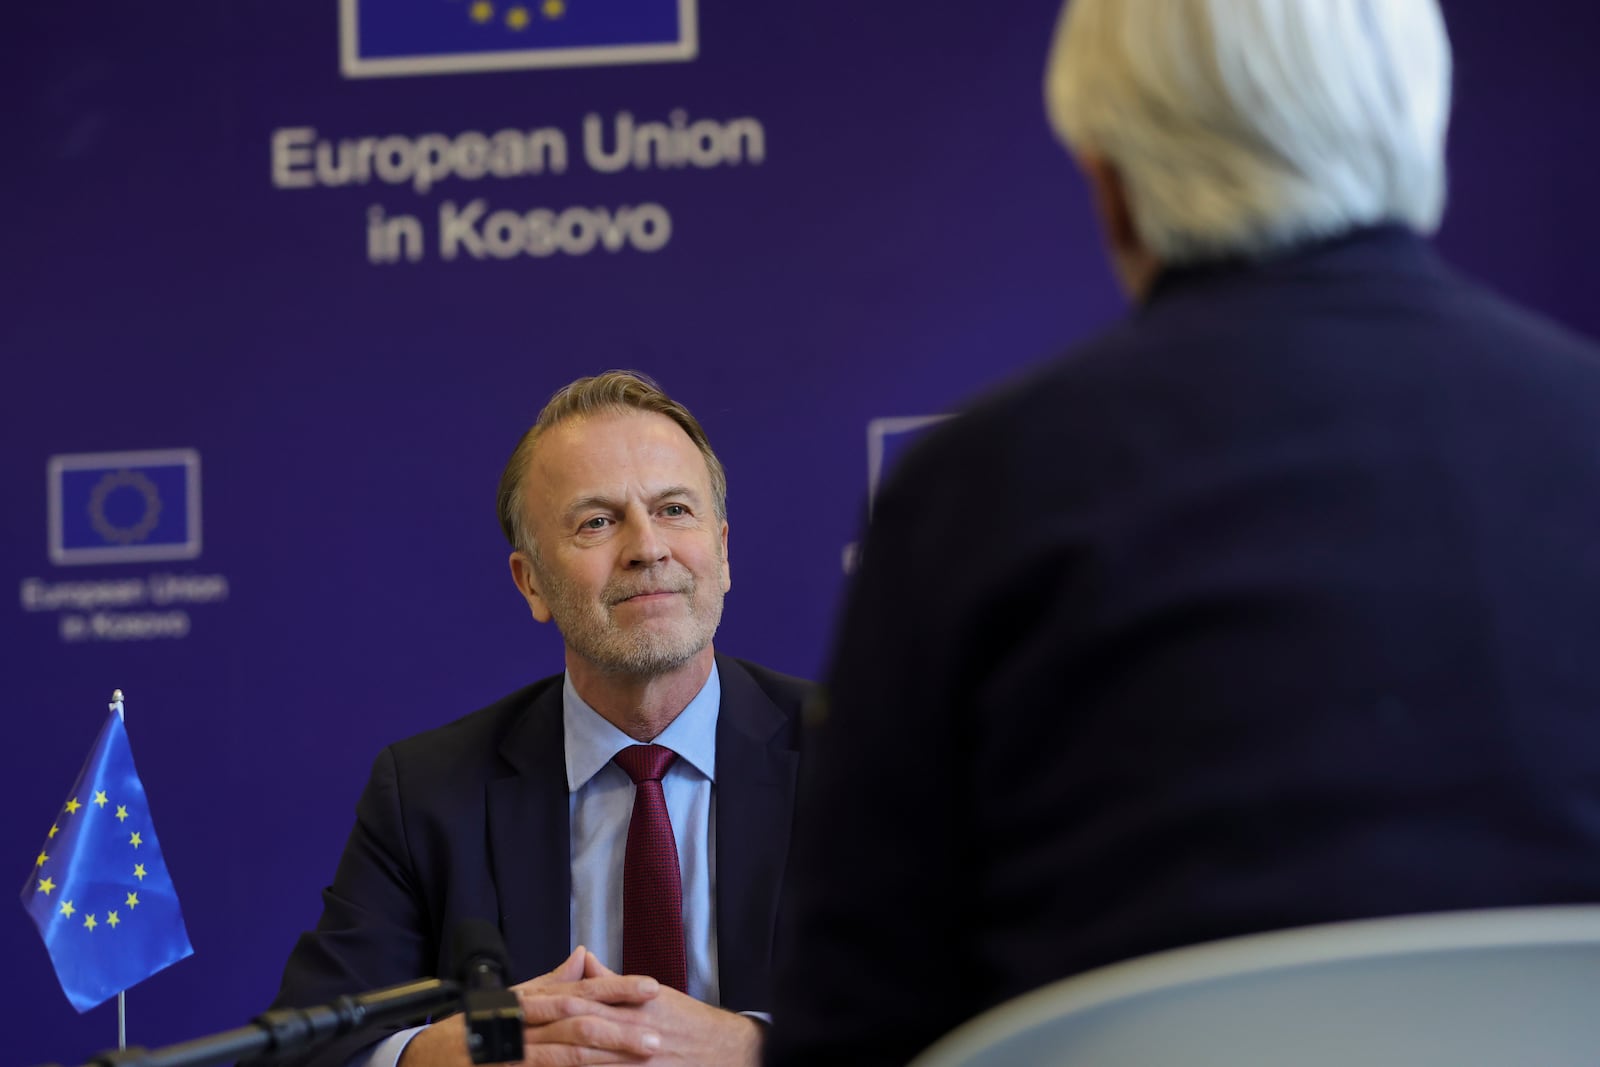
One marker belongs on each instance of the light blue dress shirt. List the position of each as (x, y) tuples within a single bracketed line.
[(599, 806)]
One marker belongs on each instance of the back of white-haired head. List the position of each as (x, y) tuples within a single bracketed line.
[(1240, 127)]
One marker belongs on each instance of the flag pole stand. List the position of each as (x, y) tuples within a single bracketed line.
[(122, 997)]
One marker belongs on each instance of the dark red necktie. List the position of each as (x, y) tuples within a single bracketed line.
[(652, 889)]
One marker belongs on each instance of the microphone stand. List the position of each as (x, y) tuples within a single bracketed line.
[(276, 1033)]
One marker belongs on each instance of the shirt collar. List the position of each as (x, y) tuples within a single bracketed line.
[(591, 740)]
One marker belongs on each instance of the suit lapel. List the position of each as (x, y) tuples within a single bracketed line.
[(755, 797), (529, 853)]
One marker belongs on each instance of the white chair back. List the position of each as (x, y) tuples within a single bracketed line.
[(1516, 987)]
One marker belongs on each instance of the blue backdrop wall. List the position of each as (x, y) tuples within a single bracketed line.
[(334, 292)]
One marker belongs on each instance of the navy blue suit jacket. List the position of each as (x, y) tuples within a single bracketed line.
[(471, 821), (1277, 604)]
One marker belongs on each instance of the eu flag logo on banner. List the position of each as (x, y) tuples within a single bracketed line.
[(890, 438), (99, 891), (124, 507), (381, 38)]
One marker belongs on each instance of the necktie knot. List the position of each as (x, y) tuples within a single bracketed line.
[(645, 763)]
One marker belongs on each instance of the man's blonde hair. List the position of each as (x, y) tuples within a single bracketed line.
[(609, 393)]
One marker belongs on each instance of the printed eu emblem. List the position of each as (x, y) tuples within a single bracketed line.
[(124, 507), (890, 438), (386, 38)]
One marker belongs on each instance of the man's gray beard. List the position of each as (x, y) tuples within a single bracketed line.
[(624, 653), (646, 655)]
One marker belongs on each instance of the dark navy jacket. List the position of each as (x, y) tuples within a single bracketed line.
[(471, 821), (1277, 604)]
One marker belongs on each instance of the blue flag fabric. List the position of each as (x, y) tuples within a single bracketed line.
[(99, 891)]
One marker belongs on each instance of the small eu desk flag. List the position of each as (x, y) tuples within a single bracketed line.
[(99, 891)]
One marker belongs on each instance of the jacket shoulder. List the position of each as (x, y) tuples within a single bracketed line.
[(475, 738), (787, 691)]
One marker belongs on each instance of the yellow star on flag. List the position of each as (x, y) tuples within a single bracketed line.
[(100, 798), (554, 9), (135, 840), (122, 813), (482, 11), (133, 900), (517, 18), (89, 923), (73, 806), (67, 909), (54, 830), (138, 871), (45, 885), (42, 858), (112, 920)]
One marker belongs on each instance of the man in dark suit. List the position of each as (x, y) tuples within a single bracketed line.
[(524, 813), (1276, 604)]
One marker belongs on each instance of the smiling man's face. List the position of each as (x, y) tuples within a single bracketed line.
[(631, 559)]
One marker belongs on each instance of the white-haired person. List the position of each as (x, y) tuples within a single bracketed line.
[(1278, 603)]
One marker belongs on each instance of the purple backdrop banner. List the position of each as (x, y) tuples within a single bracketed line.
[(285, 282)]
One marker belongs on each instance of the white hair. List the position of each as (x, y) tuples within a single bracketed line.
[(1241, 127)]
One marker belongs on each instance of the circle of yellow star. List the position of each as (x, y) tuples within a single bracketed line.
[(122, 813), (42, 858), (517, 18), (135, 840), (138, 871), (67, 909), (45, 885), (89, 923), (112, 920), (133, 900), (73, 806), (554, 9), (100, 798), (482, 11)]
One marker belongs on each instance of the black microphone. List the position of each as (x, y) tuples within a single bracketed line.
[(492, 1012), (278, 1033)]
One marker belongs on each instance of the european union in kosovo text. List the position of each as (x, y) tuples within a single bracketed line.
[(124, 507), (381, 38), (99, 891)]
